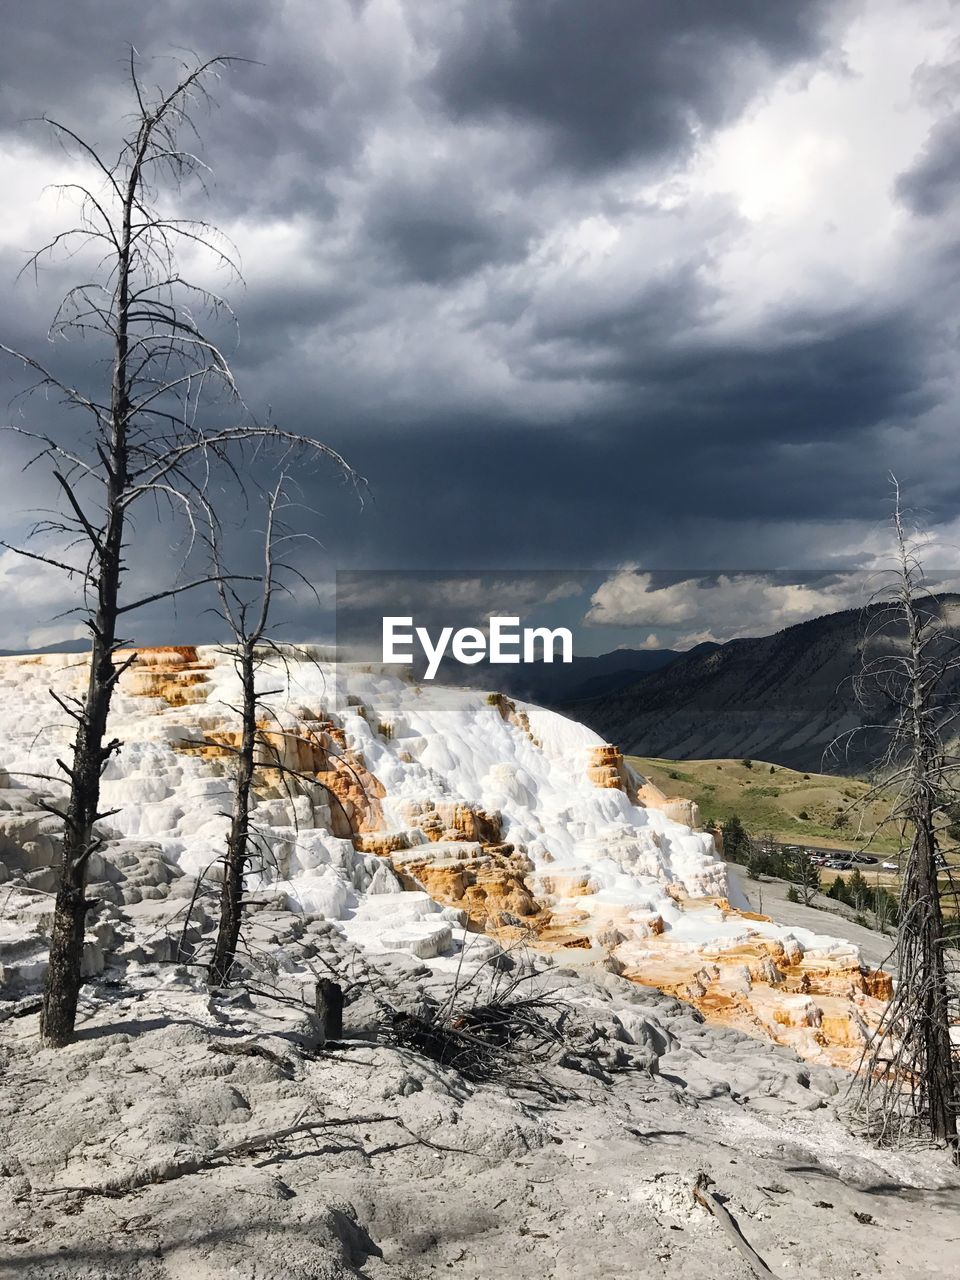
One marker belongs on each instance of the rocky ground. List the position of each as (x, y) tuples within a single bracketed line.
[(462, 849), (155, 1146)]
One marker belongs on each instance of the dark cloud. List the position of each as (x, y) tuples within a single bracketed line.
[(441, 228), (280, 122), (932, 182), (69, 60), (463, 275), (607, 81), (807, 380), (653, 488), (614, 337)]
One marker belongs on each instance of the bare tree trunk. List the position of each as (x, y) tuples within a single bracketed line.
[(329, 1011), (924, 920), (148, 441), (90, 754), (62, 986), (249, 621), (922, 911), (910, 1081), (236, 859)]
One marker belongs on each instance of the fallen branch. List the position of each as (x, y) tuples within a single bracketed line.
[(705, 1197), (250, 1049), (169, 1171)]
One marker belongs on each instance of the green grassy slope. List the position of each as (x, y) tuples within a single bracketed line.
[(771, 798)]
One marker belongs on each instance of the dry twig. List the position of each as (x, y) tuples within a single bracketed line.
[(705, 1197)]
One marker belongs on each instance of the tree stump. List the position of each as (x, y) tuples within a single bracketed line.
[(329, 1010)]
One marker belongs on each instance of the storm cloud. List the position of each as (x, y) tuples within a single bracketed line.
[(608, 82), (667, 284)]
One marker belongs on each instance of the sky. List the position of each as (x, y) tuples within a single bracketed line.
[(622, 286)]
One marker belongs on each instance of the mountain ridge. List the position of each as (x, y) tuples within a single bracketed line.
[(788, 697)]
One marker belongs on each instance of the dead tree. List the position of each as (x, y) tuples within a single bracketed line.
[(805, 875), (249, 622), (909, 1086), (262, 736), (154, 435)]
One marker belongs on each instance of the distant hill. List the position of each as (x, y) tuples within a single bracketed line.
[(611, 672), (807, 808), (61, 646), (554, 684), (783, 698)]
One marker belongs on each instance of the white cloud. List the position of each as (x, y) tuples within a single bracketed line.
[(811, 169), (33, 594), (722, 607)]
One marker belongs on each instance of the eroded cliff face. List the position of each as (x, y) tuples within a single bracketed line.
[(823, 1005), (608, 768), (173, 673), (496, 818)]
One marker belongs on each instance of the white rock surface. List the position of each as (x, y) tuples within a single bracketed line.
[(424, 744), (434, 1176), (426, 1175)]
